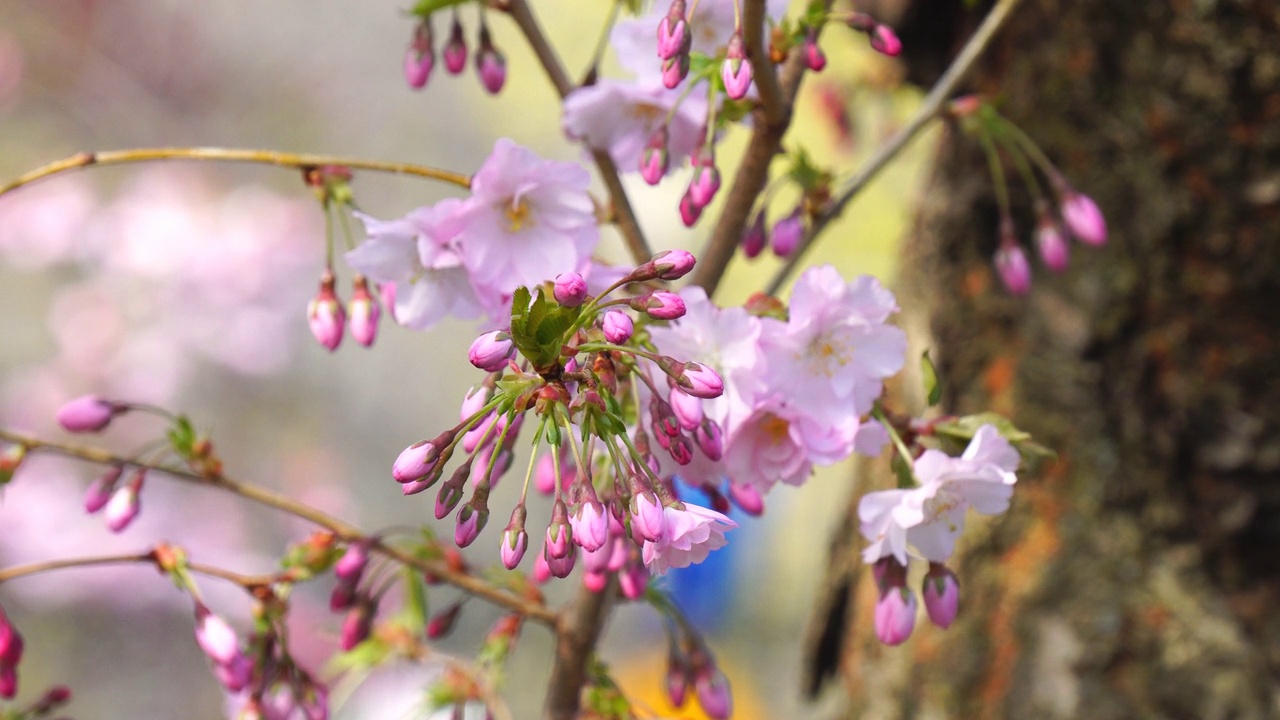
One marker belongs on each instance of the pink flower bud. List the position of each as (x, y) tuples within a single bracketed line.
[(895, 615), (544, 475), (813, 56), (541, 570), (215, 637), (514, 539), (885, 41), (561, 566), (1011, 265), (660, 305), (595, 581), (674, 69), (364, 313), (756, 237), (492, 350), (705, 183), (442, 623), (712, 688), (676, 682), (342, 597), (455, 50), (689, 212), (481, 472), (648, 521), (617, 326), (668, 265), (570, 289), (11, 644), (325, 315), (687, 409), (656, 158), (87, 413), (99, 492), (787, 234), (475, 400), (559, 532), (234, 675), (736, 70), (710, 439), (471, 521), (8, 681), (450, 494), (673, 32), (748, 498), (420, 58), (1053, 248), (590, 525), (633, 580), (941, 594), (124, 504), (1084, 219), (700, 381), (357, 625), (681, 450), (351, 565), (415, 462), (490, 64)]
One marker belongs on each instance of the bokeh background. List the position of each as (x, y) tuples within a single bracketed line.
[(185, 285)]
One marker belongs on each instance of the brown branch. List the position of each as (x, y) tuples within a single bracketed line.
[(934, 105), (624, 215), (149, 557), (776, 107), (577, 632), (463, 581), (265, 157)]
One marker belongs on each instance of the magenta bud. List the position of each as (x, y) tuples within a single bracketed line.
[(756, 237), (705, 183), (714, 695), (365, 313), (442, 623), (559, 533), (710, 439), (656, 159), (689, 212), (215, 637), (687, 409), (471, 521), (660, 305), (420, 58), (88, 413), (417, 486), (787, 234), (672, 264), (492, 350), (1053, 247), (357, 625), (11, 644), (617, 326), (681, 450), (895, 615), (941, 594), (1083, 218), (736, 70), (885, 41), (673, 32), (590, 525), (675, 69), (595, 581), (351, 565), (476, 398), (633, 580), (455, 50), (747, 498), (514, 539), (676, 682), (561, 566), (648, 521), (99, 492), (124, 505), (700, 381), (1013, 268), (8, 681), (342, 597), (570, 289), (415, 462), (449, 495), (325, 315), (490, 64), (541, 570), (813, 56), (234, 675)]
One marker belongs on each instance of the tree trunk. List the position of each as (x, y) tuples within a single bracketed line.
[(1139, 575)]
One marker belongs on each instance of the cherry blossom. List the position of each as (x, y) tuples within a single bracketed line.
[(689, 535)]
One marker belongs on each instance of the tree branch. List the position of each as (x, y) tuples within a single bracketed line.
[(776, 107), (577, 632), (149, 557), (934, 105), (264, 157), (463, 581)]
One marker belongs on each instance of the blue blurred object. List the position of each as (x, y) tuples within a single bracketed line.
[(705, 592)]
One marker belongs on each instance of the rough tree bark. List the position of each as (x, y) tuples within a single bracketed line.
[(1139, 575)]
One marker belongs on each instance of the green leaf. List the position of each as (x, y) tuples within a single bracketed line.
[(906, 479), (957, 433), (932, 388), (426, 7), (415, 604), (182, 437)]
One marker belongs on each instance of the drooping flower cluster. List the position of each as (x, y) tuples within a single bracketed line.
[(926, 521), (420, 56)]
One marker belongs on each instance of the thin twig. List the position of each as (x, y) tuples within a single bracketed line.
[(264, 157), (934, 104), (35, 568), (624, 215), (473, 585)]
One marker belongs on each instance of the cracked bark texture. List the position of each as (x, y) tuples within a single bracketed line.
[(1139, 575)]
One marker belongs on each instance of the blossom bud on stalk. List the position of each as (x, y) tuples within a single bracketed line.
[(234, 675), (885, 41), (455, 50), (700, 381), (687, 409), (706, 181), (712, 688), (595, 581), (514, 539), (342, 597), (559, 532), (351, 565), (676, 682), (673, 31), (471, 521), (215, 637), (125, 504), (736, 70), (660, 305), (364, 313), (492, 350), (450, 494), (475, 400), (710, 439), (666, 265), (648, 522), (325, 315), (941, 594), (420, 58), (88, 413), (590, 524), (681, 450), (674, 70), (1013, 268), (813, 56), (442, 623), (895, 615), (490, 64), (787, 234), (570, 289), (99, 492), (358, 624), (617, 326), (11, 644), (748, 498), (656, 158), (689, 211), (541, 570), (1053, 248), (8, 681), (756, 237), (633, 580), (1083, 218), (562, 566), (415, 462)]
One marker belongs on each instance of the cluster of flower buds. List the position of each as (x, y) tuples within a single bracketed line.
[(675, 40), (895, 613), (420, 56), (10, 656), (329, 320), (576, 361), (347, 597), (219, 642), (1080, 217), (883, 39), (690, 662)]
